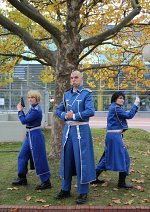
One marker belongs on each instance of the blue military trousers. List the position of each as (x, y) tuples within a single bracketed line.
[(24, 156), (71, 157)]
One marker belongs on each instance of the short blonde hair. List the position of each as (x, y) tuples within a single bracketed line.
[(36, 94)]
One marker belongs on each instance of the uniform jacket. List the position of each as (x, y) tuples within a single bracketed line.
[(117, 116), (35, 138), (116, 154), (80, 102)]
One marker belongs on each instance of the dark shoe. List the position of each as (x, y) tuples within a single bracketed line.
[(82, 198), (126, 186), (63, 194), (122, 182), (97, 181), (19, 181), (44, 185)]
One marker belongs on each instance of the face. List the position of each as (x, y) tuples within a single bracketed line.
[(32, 100), (76, 79), (120, 100)]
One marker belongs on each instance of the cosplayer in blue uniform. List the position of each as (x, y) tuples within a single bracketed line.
[(115, 156), (34, 144), (77, 146)]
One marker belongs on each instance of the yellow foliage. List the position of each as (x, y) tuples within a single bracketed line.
[(47, 76)]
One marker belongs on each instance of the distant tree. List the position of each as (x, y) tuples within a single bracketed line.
[(72, 34)]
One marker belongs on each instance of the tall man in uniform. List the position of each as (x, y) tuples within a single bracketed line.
[(77, 147)]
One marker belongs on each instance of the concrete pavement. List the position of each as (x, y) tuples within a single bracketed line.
[(136, 122)]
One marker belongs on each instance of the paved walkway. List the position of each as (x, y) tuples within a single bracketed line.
[(136, 122)]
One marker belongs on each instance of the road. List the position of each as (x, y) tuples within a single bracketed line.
[(136, 122)]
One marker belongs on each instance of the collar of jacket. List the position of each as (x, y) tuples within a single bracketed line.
[(115, 104), (79, 89)]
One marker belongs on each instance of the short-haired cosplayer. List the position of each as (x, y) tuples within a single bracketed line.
[(34, 144), (115, 156), (77, 146)]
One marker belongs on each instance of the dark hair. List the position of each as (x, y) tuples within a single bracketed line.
[(116, 95)]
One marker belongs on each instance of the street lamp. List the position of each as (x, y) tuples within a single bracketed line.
[(146, 53)]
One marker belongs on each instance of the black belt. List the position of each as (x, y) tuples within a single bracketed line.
[(30, 127)]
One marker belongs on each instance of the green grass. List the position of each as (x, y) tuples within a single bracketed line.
[(138, 142)]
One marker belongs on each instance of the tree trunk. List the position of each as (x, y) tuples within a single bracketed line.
[(66, 63), (57, 124)]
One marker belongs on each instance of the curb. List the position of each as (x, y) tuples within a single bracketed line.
[(15, 208)]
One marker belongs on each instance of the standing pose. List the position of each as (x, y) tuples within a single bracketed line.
[(34, 144), (115, 156), (77, 146)]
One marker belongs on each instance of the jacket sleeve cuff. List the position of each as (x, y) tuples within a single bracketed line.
[(78, 116), (63, 115)]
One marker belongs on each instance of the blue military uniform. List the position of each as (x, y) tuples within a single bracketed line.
[(77, 146), (34, 144), (115, 156)]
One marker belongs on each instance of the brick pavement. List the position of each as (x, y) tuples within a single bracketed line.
[(16, 208)]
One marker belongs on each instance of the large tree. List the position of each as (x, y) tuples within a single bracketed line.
[(62, 34)]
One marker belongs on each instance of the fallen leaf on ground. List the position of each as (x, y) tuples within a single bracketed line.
[(134, 195), (117, 201), (28, 198), (115, 189), (105, 184), (145, 201), (40, 200), (129, 202), (13, 188), (45, 206), (139, 188)]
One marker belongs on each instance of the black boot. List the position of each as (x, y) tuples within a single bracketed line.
[(63, 194), (21, 180), (82, 198), (97, 181), (121, 181), (44, 185)]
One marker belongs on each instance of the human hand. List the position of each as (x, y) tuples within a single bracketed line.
[(19, 107), (137, 101), (69, 114)]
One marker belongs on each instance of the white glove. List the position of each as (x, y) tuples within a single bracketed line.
[(137, 101)]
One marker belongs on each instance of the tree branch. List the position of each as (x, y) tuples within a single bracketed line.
[(99, 66), (105, 35), (40, 51), (24, 58), (29, 11)]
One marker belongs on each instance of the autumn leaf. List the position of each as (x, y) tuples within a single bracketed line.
[(105, 184), (145, 201), (45, 206), (13, 188), (116, 201), (28, 198), (139, 188), (40, 200), (134, 195), (129, 202), (115, 189), (138, 181)]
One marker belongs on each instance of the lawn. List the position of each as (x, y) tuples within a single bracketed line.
[(138, 143)]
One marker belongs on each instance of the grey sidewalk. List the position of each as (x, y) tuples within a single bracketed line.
[(136, 122)]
